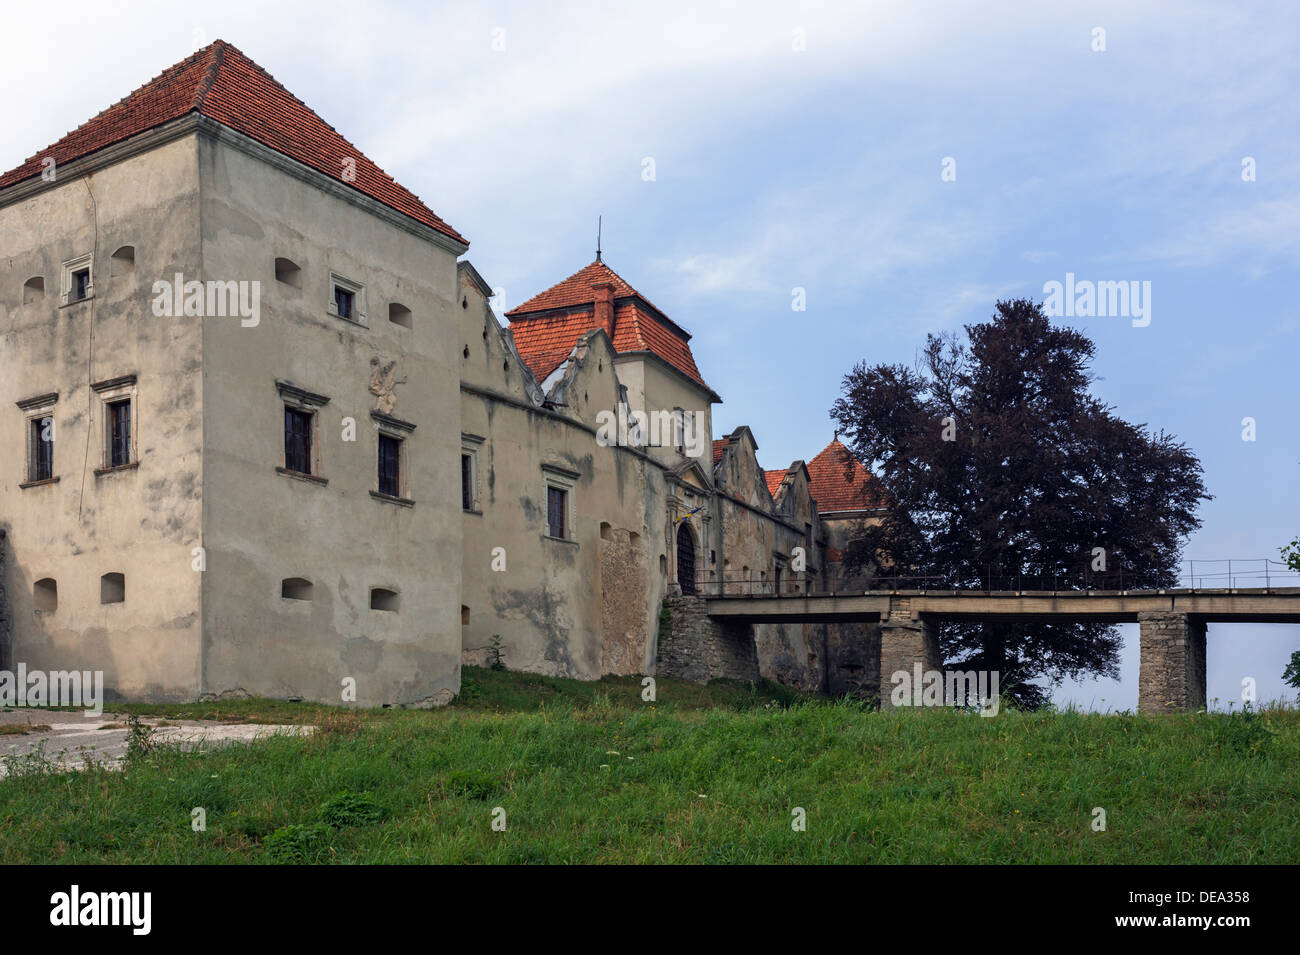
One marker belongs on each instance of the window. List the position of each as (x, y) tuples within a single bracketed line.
[(343, 300), (45, 595), (469, 448), (390, 458), (295, 588), (118, 396), (122, 261), (34, 290), (301, 457), (288, 273), (112, 589), (556, 506), (40, 454), (119, 433), (78, 284), (381, 599), (399, 314), (347, 299), (559, 502), (297, 440)]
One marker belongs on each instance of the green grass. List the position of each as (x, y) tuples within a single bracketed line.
[(587, 772)]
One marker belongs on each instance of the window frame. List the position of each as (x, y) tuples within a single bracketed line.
[(116, 391), (565, 481), (68, 272), (394, 429), (469, 448), (35, 411), (358, 292), (293, 398)]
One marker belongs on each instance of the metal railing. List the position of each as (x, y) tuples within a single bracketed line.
[(1226, 574)]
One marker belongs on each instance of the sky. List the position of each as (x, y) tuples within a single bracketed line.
[(904, 164)]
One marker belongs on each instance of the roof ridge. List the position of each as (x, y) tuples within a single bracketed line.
[(218, 54)]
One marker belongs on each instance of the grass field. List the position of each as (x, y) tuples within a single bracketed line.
[(587, 772)]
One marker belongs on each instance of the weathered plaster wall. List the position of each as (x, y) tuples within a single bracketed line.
[(579, 607), (261, 526), (141, 522)]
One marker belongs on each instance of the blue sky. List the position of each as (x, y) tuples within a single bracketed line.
[(819, 168)]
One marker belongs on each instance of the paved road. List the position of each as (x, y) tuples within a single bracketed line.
[(71, 738)]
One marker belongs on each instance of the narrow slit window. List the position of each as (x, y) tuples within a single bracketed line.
[(390, 465), (297, 440), (467, 482)]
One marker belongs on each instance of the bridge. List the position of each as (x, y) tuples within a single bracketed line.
[(1172, 624)]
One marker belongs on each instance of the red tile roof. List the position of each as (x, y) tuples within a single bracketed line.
[(718, 446), (774, 479), (839, 482), (221, 83), (547, 326)]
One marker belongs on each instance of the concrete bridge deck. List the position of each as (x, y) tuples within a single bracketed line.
[(1172, 626), (1253, 605)]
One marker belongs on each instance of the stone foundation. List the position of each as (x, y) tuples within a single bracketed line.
[(697, 648), (1172, 669), (905, 642)]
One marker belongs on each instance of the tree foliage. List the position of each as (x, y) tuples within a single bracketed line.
[(1005, 472)]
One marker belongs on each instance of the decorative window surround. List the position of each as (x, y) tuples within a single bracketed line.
[(398, 430), (469, 448), (308, 403), (35, 409), (358, 299), (114, 391), (563, 480), (71, 268)]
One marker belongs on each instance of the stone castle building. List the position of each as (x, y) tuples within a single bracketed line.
[(263, 433)]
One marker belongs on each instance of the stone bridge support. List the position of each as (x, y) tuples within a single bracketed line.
[(695, 647), (904, 642), (1171, 673)]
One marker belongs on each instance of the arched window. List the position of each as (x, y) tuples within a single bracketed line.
[(45, 595), (295, 588)]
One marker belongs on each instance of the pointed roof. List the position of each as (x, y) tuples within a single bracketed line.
[(774, 479), (838, 481), (547, 326), (221, 83)]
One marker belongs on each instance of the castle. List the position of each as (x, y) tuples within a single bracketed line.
[(265, 435)]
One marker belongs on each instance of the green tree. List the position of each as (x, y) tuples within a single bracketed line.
[(1005, 471)]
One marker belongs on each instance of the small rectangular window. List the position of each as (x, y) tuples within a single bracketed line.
[(297, 440), (467, 482), (80, 284), (390, 456), (555, 506), (41, 449), (119, 434), (343, 300)]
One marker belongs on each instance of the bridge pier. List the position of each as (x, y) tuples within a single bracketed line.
[(1171, 670), (904, 642)]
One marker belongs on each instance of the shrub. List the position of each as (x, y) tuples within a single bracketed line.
[(351, 809), (297, 844)]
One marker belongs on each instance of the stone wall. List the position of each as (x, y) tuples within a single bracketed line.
[(697, 648), (6, 621), (1171, 673), (904, 642)]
